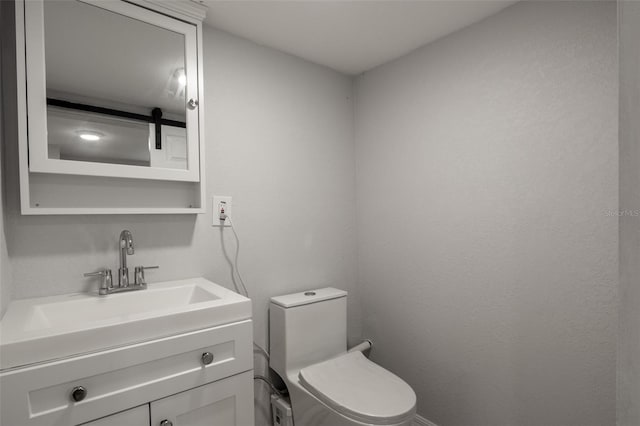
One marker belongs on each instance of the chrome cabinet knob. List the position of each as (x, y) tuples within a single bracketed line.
[(78, 393), (192, 104), (166, 422), (207, 358)]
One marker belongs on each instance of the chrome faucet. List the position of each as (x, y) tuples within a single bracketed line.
[(126, 248), (107, 286)]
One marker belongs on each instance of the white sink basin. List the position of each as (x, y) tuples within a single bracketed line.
[(68, 311), (47, 328)]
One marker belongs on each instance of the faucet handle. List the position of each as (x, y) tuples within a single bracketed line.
[(107, 279), (139, 274)]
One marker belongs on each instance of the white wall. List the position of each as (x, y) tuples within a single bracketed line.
[(486, 163), (279, 135), (629, 331)]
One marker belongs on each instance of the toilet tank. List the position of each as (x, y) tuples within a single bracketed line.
[(306, 328)]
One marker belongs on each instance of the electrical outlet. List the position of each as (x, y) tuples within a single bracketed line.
[(221, 204)]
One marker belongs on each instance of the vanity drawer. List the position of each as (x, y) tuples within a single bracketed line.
[(124, 377)]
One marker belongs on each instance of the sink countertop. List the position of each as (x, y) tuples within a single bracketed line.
[(48, 328)]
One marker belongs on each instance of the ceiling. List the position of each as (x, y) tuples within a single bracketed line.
[(348, 36)]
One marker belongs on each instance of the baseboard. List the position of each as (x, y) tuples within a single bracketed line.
[(421, 421)]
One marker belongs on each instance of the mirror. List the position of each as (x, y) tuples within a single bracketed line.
[(108, 76), (120, 92)]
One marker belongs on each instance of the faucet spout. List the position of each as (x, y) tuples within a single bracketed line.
[(126, 248), (126, 241)]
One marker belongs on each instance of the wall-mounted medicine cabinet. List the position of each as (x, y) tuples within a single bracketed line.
[(110, 99)]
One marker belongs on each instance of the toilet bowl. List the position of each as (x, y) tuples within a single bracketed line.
[(329, 386)]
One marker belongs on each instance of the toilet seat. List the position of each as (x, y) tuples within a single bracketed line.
[(360, 389)]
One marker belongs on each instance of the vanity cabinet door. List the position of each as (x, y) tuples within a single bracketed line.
[(227, 402), (138, 416)]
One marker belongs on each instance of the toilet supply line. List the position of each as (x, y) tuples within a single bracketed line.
[(268, 382)]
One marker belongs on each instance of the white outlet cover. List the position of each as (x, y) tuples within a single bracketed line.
[(217, 200)]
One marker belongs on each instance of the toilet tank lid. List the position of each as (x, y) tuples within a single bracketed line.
[(307, 297)]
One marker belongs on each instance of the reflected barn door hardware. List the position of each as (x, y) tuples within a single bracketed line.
[(155, 118), (113, 112), (156, 114)]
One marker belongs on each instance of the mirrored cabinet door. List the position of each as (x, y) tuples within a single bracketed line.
[(112, 90)]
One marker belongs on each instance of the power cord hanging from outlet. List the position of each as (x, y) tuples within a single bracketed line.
[(243, 291)]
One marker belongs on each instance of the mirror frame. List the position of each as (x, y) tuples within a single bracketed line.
[(39, 160)]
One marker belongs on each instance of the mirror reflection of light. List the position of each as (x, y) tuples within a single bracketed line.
[(182, 80), (89, 136)]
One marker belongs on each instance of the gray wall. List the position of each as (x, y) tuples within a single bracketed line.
[(7, 87), (487, 163), (5, 266), (629, 332), (279, 135)]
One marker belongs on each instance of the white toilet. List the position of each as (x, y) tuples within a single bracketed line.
[(329, 386)]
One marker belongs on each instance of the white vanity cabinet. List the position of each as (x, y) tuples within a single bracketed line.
[(196, 378), (138, 416)]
